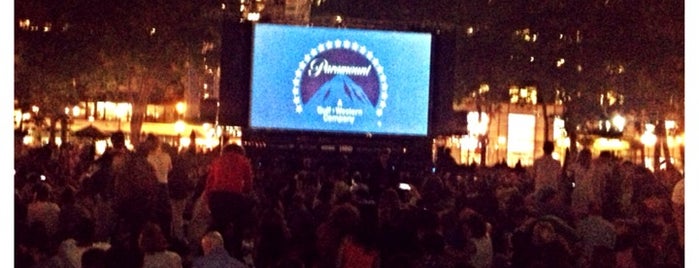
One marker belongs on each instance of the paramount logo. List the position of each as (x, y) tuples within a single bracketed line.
[(318, 66), (340, 71)]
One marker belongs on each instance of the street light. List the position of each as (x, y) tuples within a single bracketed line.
[(120, 110), (76, 111), (477, 126), (179, 129), (502, 142), (648, 139), (181, 107), (619, 122)]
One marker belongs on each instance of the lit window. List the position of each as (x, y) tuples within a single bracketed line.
[(477, 123), (670, 124), (532, 96), (24, 24), (523, 93), (253, 16), (578, 37), (560, 62), (484, 88), (619, 122)]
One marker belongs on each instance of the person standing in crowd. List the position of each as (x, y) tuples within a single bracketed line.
[(581, 172), (107, 166), (42, 210), (381, 174), (538, 243), (215, 255), (162, 165), (273, 237), (480, 237), (154, 247), (80, 240), (596, 233), (94, 258), (160, 160), (546, 169), (182, 184), (604, 183), (228, 185), (343, 219), (359, 249), (118, 152), (445, 161), (135, 191), (677, 198)]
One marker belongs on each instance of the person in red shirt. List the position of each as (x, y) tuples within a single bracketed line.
[(231, 172), (227, 193)]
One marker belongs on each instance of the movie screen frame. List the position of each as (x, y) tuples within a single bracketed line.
[(340, 80)]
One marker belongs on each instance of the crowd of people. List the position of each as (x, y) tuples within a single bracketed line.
[(156, 207)]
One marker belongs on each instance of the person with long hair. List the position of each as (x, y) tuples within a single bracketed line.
[(154, 247)]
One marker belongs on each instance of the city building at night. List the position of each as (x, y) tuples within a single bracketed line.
[(589, 79), (359, 133)]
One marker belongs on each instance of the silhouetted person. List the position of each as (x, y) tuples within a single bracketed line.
[(215, 255), (382, 174), (162, 165), (445, 162), (154, 246), (546, 170), (228, 185)]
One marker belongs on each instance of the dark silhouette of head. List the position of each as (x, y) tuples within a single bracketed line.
[(585, 157), (234, 148), (548, 147), (118, 139), (152, 239), (152, 142)]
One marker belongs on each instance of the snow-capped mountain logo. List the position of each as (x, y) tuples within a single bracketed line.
[(340, 82), (341, 88)]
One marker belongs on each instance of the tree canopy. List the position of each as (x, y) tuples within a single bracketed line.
[(121, 50), (576, 51)]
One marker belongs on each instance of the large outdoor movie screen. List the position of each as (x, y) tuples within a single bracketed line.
[(340, 80)]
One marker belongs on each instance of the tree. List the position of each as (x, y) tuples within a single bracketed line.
[(49, 63), (136, 51)]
